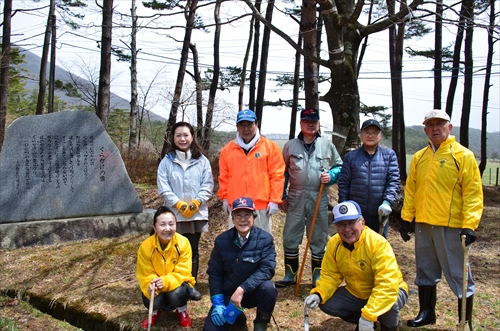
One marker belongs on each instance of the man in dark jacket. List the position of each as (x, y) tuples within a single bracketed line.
[(240, 269), (370, 176)]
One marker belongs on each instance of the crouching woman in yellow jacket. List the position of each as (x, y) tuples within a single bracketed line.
[(164, 261)]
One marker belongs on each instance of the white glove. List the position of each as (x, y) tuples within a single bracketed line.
[(364, 324), (384, 209), (226, 207), (272, 208), (312, 302)]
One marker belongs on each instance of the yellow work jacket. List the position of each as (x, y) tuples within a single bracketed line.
[(370, 271), (444, 188), (173, 264)]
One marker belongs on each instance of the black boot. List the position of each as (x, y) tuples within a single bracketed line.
[(316, 269), (468, 310), (384, 328), (193, 293), (261, 321), (427, 301), (291, 267)]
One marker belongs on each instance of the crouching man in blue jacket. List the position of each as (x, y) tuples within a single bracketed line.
[(240, 269)]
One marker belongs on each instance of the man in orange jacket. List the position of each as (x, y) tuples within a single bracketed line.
[(251, 166)]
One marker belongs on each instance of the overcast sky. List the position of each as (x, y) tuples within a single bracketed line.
[(158, 51)]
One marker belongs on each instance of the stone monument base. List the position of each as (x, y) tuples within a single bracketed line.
[(53, 232)]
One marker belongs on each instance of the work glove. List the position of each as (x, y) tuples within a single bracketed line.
[(181, 206), (226, 207), (385, 208), (470, 236), (312, 301), (272, 208), (405, 230), (192, 208), (218, 310), (232, 312), (364, 324)]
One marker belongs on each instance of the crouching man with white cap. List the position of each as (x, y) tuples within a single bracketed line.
[(374, 287)]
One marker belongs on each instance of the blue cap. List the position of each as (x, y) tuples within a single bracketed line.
[(309, 114), (346, 211), (246, 115), (243, 203), (371, 122)]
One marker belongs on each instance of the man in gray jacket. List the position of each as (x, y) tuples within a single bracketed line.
[(310, 160)]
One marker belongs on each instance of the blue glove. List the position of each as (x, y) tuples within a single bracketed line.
[(385, 208), (218, 310)]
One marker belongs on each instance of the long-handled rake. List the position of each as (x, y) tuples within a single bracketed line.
[(464, 325), (151, 304), (306, 318)]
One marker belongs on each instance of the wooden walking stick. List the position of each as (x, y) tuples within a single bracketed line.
[(464, 326), (309, 239), (151, 304)]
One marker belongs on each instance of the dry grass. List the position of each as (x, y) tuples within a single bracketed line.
[(98, 276)]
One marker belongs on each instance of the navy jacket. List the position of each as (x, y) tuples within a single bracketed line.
[(369, 179), (231, 266)]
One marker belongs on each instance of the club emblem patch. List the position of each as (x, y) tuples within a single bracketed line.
[(343, 209)]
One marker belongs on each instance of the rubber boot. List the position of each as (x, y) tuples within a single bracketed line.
[(261, 321), (427, 301), (193, 293), (316, 269), (468, 310), (291, 267), (384, 328)]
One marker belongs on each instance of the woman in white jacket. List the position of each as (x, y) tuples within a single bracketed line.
[(186, 183)]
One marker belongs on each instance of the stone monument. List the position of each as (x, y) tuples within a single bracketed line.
[(62, 165)]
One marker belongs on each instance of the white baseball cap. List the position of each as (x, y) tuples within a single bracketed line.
[(346, 211)]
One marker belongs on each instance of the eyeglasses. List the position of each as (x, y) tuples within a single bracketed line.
[(242, 216), (347, 224), (370, 134)]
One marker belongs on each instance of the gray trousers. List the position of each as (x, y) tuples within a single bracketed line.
[(346, 306), (438, 250), (301, 204)]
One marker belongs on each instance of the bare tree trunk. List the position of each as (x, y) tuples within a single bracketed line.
[(207, 128), (255, 60), (455, 71), (199, 93), (261, 89), (104, 93), (469, 66), (308, 28), (396, 43), (132, 139), (52, 71), (189, 14), (244, 69), (4, 68), (42, 81), (438, 54), (296, 86), (487, 85)]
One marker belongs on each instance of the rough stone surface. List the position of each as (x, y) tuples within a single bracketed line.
[(62, 165), (53, 232)]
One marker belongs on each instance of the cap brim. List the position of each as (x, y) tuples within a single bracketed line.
[(346, 218), (248, 208)]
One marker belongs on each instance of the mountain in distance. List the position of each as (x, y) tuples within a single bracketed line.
[(32, 65), (414, 135)]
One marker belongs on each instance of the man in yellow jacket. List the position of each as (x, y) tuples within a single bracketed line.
[(444, 198), (251, 166), (374, 288)]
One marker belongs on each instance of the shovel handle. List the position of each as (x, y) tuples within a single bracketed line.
[(151, 304)]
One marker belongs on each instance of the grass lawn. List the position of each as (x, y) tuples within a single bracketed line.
[(97, 278)]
